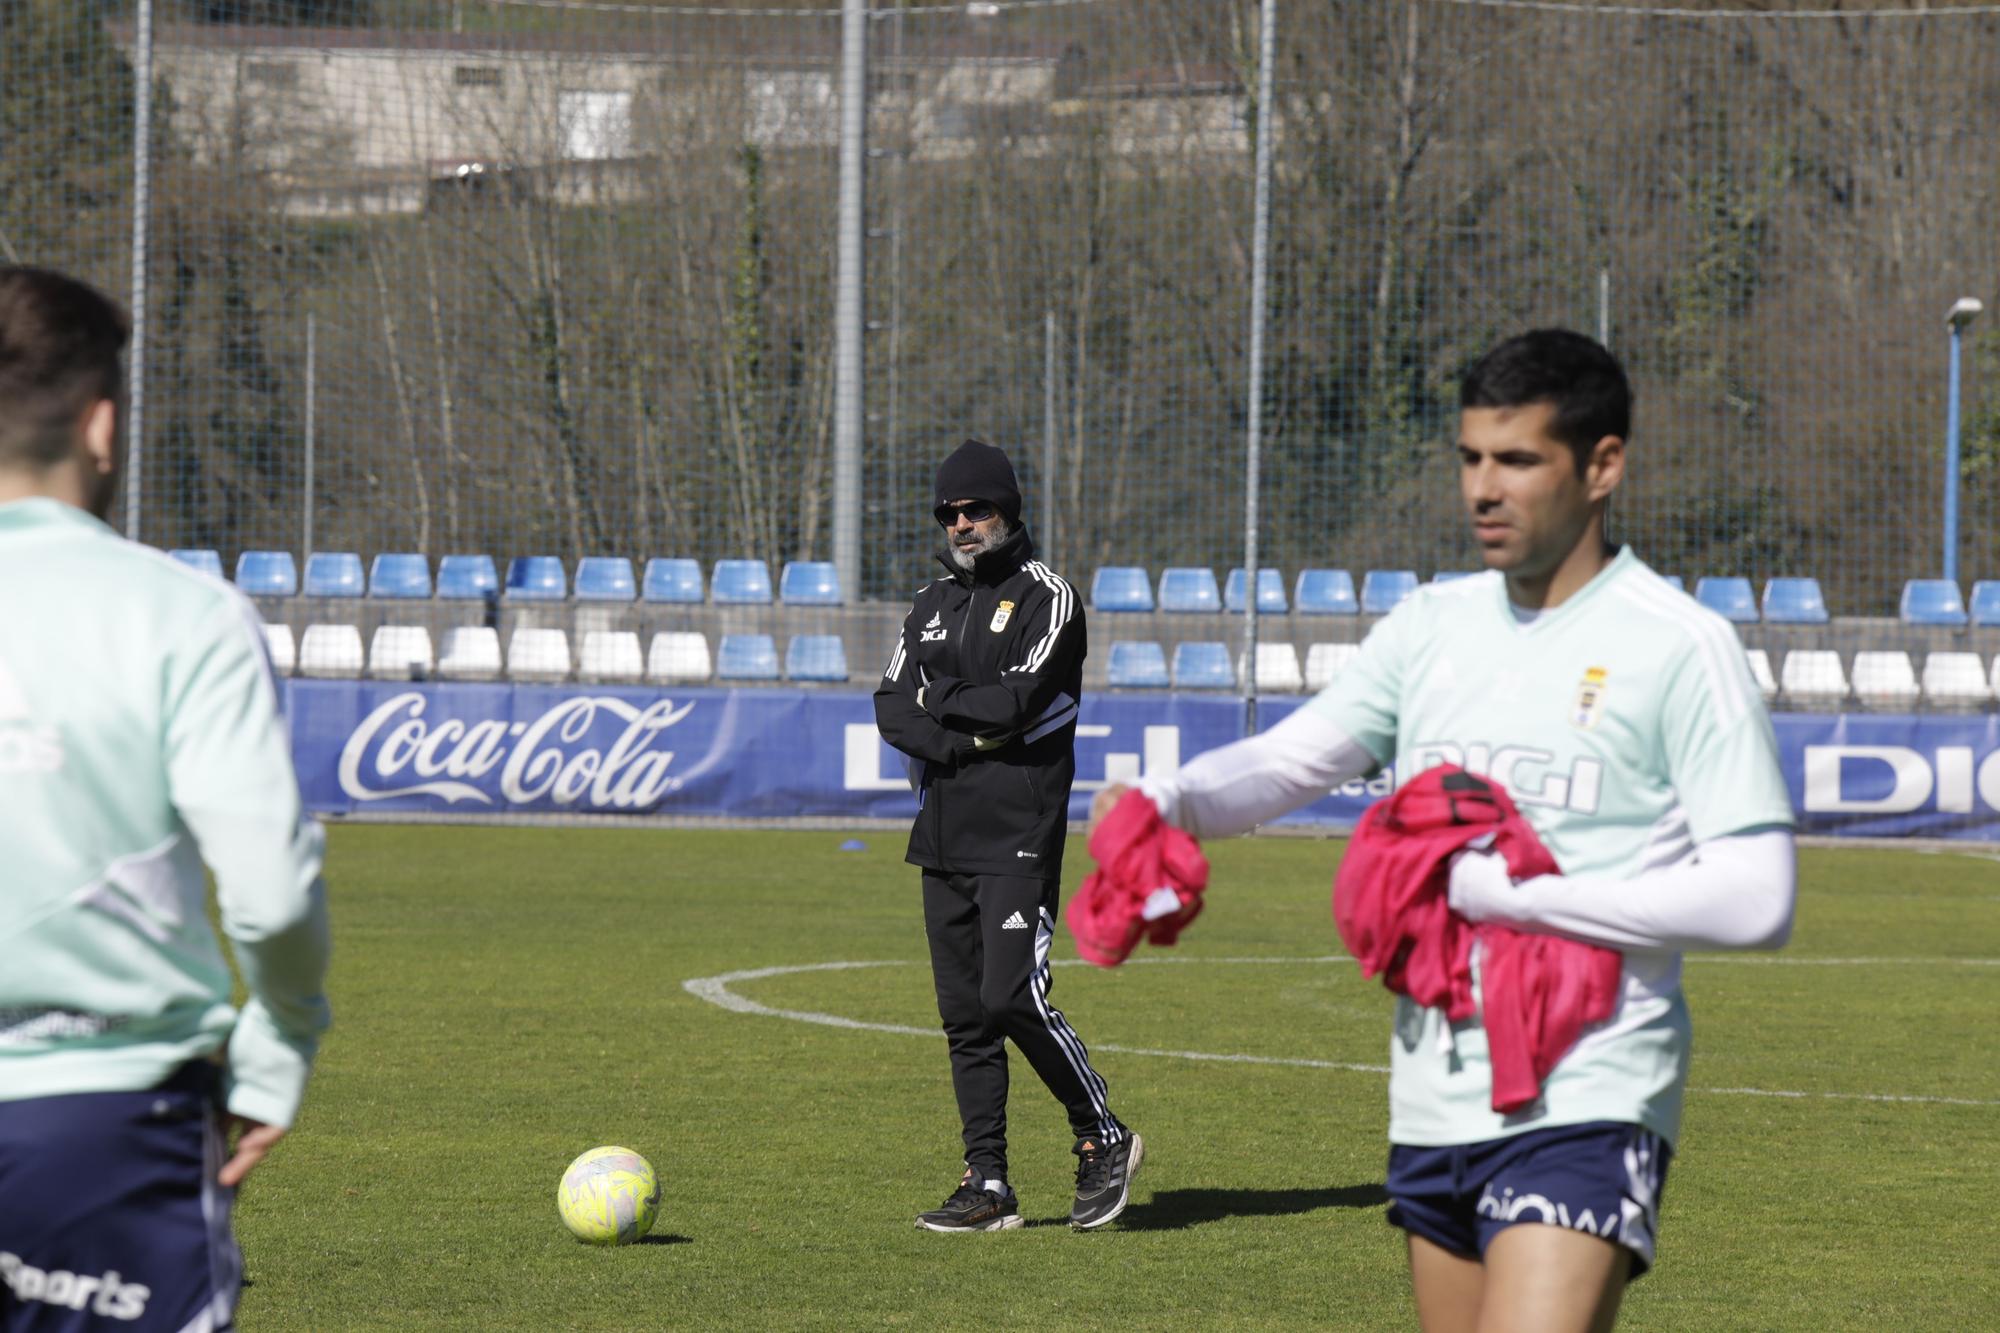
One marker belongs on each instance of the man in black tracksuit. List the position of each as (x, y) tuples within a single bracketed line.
[(981, 694)]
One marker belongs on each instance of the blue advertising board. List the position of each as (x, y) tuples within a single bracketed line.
[(371, 748)]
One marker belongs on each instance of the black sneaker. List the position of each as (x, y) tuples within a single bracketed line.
[(1104, 1179), (974, 1207)]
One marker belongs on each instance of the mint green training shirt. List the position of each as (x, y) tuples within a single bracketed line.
[(1627, 728), (141, 736)]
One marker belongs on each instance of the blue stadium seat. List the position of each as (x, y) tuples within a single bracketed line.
[(1932, 602), (605, 578), (1137, 665), (816, 657), (1674, 581), (1794, 602), (407, 575), (1203, 666), (809, 583), (333, 574), (1120, 588), (1325, 592), (1729, 597), (746, 657), (536, 578), (740, 583), (1381, 589), (1186, 588), (466, 578), (1452, 575), (1270, 591), (1986, 602), (267, 573), (672, 580), (208, 562)]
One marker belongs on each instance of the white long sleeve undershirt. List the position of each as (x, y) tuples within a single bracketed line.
[(1734, 892)]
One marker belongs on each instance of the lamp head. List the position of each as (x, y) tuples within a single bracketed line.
[(1963, 313)]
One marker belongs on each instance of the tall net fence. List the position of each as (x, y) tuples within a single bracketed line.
[(553, 277)]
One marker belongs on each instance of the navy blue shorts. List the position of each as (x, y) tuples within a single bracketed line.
[(1603, 1177), (110, 1217)]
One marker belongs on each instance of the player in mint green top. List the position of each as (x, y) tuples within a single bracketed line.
[(140, 738), (1622, 718)]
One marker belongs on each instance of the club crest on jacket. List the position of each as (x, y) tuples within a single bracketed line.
[(1001, 616)]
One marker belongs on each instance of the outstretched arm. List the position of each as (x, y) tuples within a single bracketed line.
[(1233, 789)]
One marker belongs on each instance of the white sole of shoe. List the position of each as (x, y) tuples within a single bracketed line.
[(1131, 1174), (1007, 1223)]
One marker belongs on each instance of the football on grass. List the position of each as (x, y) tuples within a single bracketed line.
[(609, 1196)]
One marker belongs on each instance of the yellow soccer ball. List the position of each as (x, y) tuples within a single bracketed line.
[(609, 1196)]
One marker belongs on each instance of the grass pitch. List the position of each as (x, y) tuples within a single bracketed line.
[(506, 998)]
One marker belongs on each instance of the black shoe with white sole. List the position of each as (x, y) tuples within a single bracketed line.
[(1104, 1179), (974, 1206)]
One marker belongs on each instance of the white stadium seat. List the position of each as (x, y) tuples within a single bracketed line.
[(538, 654), (278, 643), (330, 650), (1813, 676), (1885, 680), (611, 655), (678, 657), (1277, 668), (471, 652), (1760, 670), (1955, 680), (400, 652), (1325, 660)]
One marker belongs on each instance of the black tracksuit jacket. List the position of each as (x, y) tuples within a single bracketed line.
[(997, 653)]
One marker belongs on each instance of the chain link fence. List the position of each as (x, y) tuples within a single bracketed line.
[(523, 277)]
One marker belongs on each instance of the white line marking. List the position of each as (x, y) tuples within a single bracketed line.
[(716, 990)]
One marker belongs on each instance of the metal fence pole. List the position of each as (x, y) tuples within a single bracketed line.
[(1260, 281), (1604, 306), (312, 368), (1048, 516), (848, 315), (142, 192), (1962, 314)]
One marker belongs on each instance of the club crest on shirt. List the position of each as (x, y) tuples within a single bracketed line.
[(1590, 698), (1001, 616)]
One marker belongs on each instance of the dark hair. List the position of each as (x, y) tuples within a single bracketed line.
[(1584, 382), (59, 346)]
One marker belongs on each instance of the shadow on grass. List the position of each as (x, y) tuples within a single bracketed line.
[(1176, 1210), (666, 1238)]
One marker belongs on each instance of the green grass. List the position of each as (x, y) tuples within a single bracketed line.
[(505, 998)]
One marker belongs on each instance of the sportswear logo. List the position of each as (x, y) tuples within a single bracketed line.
[(933, 632), (114, 1299), (25, 746), (1027, 853), (1001, 616), (1014, 922)]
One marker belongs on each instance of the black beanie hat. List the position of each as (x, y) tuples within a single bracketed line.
[(978, 471)]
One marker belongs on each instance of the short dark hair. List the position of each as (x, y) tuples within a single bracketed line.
[(1576, 374), (59, 346)]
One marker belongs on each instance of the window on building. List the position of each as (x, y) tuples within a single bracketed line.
[(271, 73), (476, 76), (595, 125)]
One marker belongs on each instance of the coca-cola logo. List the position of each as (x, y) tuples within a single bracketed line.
[(397, 752)]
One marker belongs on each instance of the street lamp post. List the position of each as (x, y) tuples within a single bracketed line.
[(1962, 313)]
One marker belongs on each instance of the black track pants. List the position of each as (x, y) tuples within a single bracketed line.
[(990, 938)]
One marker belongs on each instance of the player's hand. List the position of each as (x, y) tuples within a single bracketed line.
[(253, 1140), (1480, 886), (1100, 804)]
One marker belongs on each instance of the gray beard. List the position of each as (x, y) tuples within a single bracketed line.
[(966, 557)]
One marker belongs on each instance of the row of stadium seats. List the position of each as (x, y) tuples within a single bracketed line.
[(472, 652), (1810, 677), (1331, 592), (530, 578), (1114, 588), (1814, 678)]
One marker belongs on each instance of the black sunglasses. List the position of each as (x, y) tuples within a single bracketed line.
[(978, 511)]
